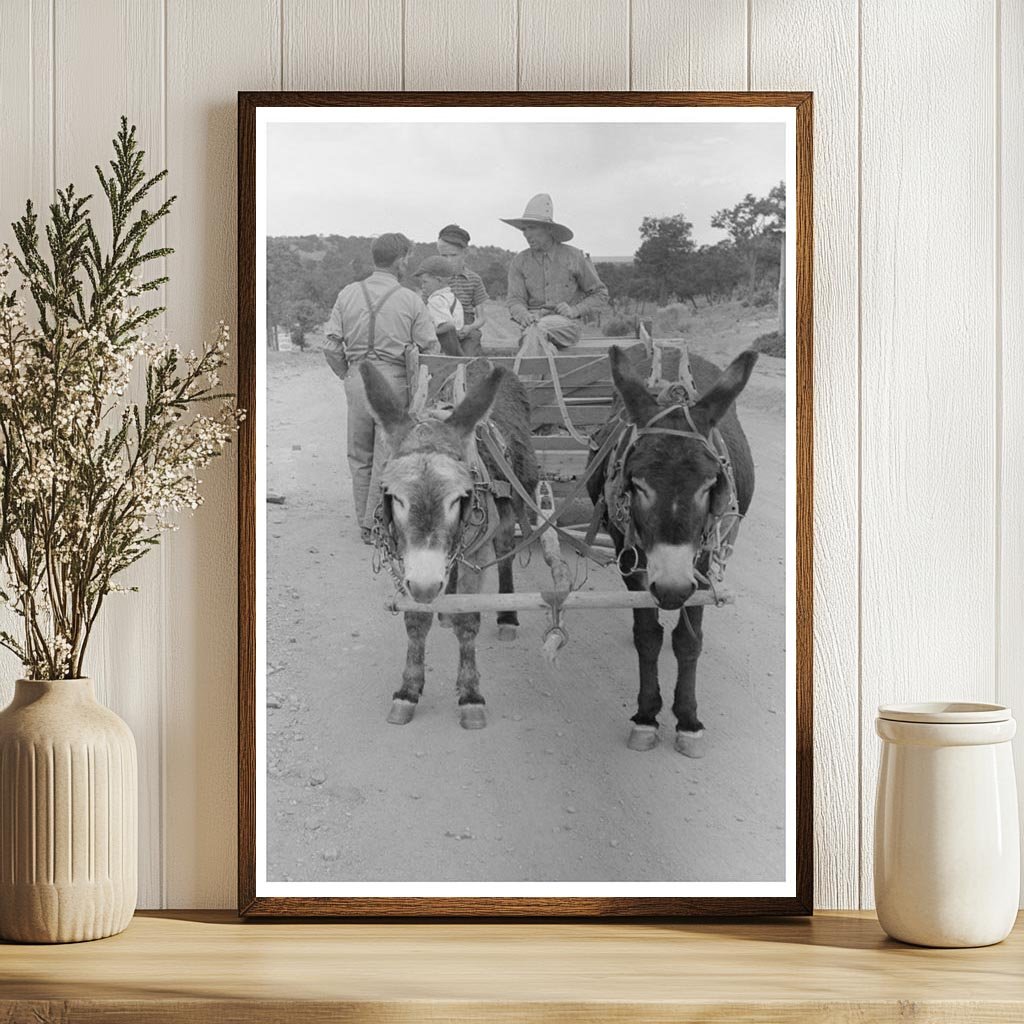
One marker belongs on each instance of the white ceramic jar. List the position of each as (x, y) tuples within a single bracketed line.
[(947, 847)]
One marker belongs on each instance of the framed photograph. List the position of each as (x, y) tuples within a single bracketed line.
[(525, 504)]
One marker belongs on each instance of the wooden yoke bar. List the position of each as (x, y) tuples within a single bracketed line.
[(577, 600)]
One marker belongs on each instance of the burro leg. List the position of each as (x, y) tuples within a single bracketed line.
[(686, 647), (504, 542), (404, 701), (647, 638), (467, 683)]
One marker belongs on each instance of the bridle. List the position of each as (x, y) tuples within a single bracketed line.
[(723, 515), (478, 522)]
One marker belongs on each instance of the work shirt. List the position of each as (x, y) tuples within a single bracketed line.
[(541, 280), (469, 289), (402, 321), (445, 310)]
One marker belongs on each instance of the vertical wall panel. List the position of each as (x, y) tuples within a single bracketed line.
[(1010, 177), (574, 44), (342, 44), (928, 513), (122, 656), (213, 51), (26, 166), (780, 59), (26, 102), (689, 44), (469, 45)]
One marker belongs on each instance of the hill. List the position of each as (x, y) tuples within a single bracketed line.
[(306, 272)]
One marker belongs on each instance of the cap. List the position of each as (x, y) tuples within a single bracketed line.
[(436, 266), (454, 234)]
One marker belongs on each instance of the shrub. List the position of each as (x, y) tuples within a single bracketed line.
[(672, 320), (618, 327), (773, 344)]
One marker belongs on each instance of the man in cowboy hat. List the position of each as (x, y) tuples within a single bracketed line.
[(550, 284), (468, 286)]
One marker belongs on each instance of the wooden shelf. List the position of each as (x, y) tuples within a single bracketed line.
[(203, 967)]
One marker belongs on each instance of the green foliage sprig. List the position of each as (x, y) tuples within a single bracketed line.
[(89, 477)]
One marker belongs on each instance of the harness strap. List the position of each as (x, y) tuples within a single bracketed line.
[(560, 398), (556, 383), (693, 433), (374, 310), (548, 521), (484, 484), (489, 527)]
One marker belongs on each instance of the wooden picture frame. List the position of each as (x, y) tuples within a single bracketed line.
[(254, 903)]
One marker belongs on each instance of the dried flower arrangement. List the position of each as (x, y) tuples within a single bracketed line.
[(90, 477)]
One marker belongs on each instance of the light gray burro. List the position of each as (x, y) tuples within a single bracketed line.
[(446, 514)]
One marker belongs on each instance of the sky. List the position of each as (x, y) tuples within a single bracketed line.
[(365, 179)]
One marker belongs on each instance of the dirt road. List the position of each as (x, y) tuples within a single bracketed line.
[(548, 791)]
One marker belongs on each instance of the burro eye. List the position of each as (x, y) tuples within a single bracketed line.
[(398, 500), (454, 501), (642, 488)]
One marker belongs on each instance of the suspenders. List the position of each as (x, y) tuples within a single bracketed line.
[(374, 310)]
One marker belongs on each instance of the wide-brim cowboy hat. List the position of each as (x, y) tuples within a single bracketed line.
[(541, 211)]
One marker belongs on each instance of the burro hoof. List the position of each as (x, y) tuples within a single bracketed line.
[(472, 716), (507, 632), (643, 737), (692, 744), (401, 711)]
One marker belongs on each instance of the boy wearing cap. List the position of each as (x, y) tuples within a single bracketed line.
[(468, 286), (434, 275)]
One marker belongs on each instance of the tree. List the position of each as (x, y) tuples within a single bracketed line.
[(283, 271), (661, 258), (618, 278), (754, 225), (782, 289), (717, 269), (303, 316)]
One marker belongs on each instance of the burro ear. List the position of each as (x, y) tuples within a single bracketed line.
[(639, 402), (384, 403), (715, 403), (477, 403)]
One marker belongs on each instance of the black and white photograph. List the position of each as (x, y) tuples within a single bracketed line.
[(525, 502)]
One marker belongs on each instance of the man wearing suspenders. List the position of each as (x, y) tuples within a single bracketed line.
[(375, 319)]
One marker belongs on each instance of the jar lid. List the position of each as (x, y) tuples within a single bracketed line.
[(945, 713)]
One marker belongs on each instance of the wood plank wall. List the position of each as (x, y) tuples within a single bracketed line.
[(919, 302)]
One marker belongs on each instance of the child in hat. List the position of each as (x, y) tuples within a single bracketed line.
[(434, 275), (467, 284)]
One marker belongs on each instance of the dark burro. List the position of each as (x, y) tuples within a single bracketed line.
[(673, 492)]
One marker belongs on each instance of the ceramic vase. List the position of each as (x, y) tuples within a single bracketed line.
[(68, 815), (947, 847)]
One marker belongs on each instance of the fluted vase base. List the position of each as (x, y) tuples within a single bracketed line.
[(68, 815)]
